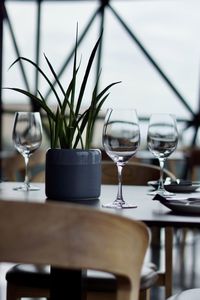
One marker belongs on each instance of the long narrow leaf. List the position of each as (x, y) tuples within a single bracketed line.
[(67, 95), (36, 99), (86, 75), (99, 96), (51, 131), (56, 78), (58, 125), (91, 123), (40, 71), (68, 124), (80, 124), (74, 75)]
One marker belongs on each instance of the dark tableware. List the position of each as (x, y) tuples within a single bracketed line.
[(179, 186), (181, 205)]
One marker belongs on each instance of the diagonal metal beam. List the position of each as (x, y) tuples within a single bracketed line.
[(2, 9), (101, 28), (152, 61), (16, 48), (35, 107), (37, 49)]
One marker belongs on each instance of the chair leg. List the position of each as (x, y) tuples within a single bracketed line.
[(101, 295), (168, 260), (12, 292), (15, 292), (144, 295), (165, 279)]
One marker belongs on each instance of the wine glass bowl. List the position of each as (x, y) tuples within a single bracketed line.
[(27, 138), (121, 138), (162, 139)]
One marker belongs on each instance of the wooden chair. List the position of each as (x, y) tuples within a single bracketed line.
[(31, 281), (193, 166), (193, 163), (137, 173), (83, 237), (13, 167), (134, 173)]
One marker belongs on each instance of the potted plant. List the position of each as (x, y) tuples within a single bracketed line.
[(73, 170)]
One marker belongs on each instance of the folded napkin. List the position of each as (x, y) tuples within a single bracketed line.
[(182, 182)]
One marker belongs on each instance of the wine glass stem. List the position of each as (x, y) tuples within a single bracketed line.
[(161, 184), (26, 181), (119, 192)]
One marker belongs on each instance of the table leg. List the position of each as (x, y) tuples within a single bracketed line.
[(166, 278), (168, 260), (155, 245)]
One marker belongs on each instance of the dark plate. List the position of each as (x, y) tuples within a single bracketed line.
[(178, 188), (180, 207)]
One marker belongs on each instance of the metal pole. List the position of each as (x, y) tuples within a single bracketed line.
[(37, 52), (1, 69), (104, 3), (152, 61)]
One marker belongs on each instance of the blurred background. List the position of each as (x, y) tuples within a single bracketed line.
[(151, 46)]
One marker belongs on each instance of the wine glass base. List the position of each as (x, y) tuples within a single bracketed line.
[(152, 193), (166, 193), (161, 192), (26, 188), (119, 205)]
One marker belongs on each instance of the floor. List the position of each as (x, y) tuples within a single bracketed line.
[(186, 263), (187, 271), (186, 266)]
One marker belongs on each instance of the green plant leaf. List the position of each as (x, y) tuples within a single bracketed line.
[(86, 75), (40, 71), (68, 124)]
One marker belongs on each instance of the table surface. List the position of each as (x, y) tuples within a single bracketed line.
[(152, 212)]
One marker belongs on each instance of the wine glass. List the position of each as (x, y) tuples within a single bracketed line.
[(121, 138), (27, 137), (162, 139)]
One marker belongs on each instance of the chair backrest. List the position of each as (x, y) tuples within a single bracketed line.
[(13, 167), (84, 238), (136, 173), (193, 163)]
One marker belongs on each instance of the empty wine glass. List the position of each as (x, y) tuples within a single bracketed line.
[(162, 139), (121, 138), (27, 137)]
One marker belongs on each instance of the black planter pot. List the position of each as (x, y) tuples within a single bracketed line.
[(73, 174)]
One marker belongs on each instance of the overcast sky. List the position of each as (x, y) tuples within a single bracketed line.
[(168, 29)]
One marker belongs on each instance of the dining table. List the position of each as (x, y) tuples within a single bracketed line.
[(152, 212)]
